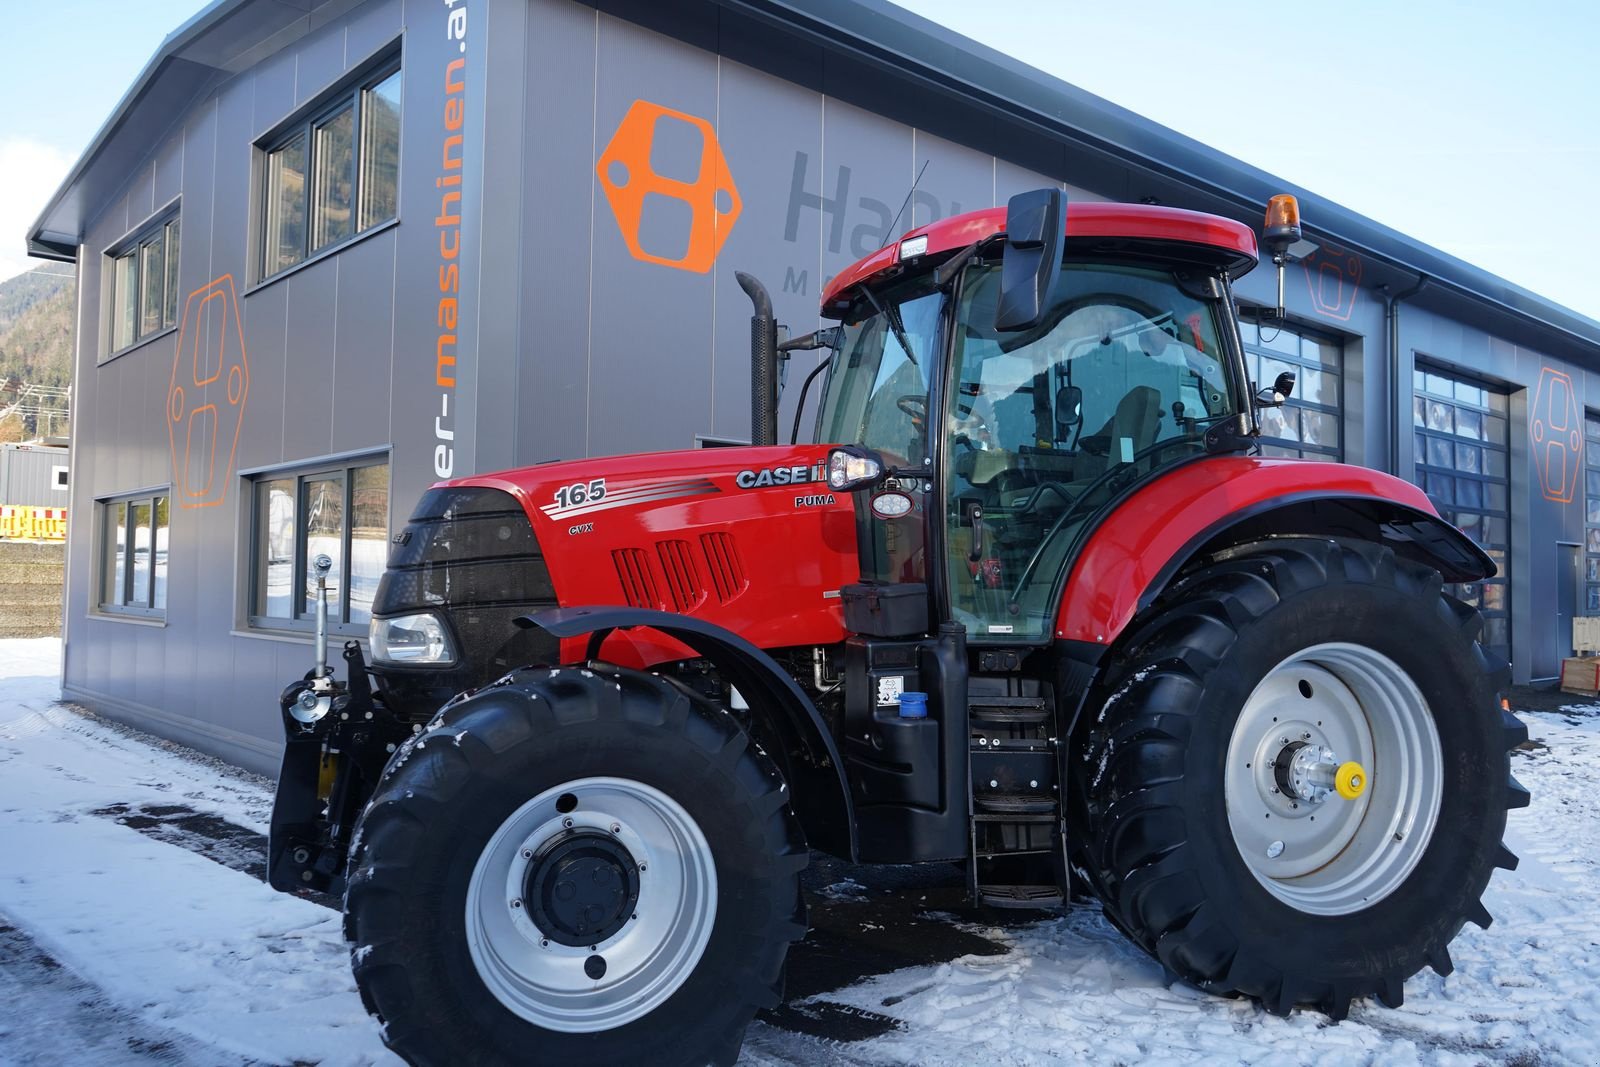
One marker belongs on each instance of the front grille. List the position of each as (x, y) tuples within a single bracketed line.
[(677, 563), (633, 574), (470, 555), (727, 572)]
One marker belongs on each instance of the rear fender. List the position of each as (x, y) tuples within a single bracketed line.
[(1145, 543), (820, 795)]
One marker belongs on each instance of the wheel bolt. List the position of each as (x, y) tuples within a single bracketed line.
[(544, 942), (527, 853), (515, 904), (643, 867), (616, 828), (567, 823), (1306, 736)]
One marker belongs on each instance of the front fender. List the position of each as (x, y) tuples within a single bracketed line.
[(822, 799), (1138, 549)]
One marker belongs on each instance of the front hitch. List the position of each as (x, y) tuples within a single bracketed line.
[(337, 738)]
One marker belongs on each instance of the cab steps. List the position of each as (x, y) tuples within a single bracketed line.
[(1015, 802)]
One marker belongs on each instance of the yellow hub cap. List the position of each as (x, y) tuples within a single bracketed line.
[(1350, 780)]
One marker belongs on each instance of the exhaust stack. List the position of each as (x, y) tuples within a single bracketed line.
[(763, 362)]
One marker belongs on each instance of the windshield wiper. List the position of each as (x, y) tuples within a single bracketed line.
[(892, 317)]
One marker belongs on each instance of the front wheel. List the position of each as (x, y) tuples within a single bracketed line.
[(1296, 781), (577, 865)]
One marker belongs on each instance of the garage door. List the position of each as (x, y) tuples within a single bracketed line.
[(1462, 461)]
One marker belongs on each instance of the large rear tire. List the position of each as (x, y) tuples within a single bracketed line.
[(575, 866), (1212, 829)]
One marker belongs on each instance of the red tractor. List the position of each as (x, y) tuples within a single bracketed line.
[(1032, 605)]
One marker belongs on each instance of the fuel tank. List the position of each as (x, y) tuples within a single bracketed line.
[(750, 539)]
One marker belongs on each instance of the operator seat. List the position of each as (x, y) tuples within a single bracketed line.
[(1136, 421)]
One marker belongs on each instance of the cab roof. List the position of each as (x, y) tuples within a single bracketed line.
[(1234, 242)]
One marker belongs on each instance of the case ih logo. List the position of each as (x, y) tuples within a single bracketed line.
[(1556, 427), (627, 174), (205, 400)]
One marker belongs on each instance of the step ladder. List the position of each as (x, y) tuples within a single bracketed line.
[(1017, 833)]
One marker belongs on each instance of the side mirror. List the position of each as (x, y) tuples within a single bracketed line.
[(1035, 229), (1069, 409), (1279, 393)]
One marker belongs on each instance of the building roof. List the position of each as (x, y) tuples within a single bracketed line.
[(869, 35)]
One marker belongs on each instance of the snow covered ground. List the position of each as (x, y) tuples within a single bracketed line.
[(134, 929)]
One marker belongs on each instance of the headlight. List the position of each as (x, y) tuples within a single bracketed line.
[(851, 467), (412, 640)]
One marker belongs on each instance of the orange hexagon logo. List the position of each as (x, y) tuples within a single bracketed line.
[(1556, 427), (205, 399), (632, 185)]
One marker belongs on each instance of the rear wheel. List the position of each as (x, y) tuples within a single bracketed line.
[(1295, 783), (575, 866)]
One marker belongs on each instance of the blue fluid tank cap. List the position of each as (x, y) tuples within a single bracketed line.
[(913, 705)]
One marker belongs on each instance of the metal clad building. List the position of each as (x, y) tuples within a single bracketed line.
[(332, 251)]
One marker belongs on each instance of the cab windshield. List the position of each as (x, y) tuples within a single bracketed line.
[(877, 390)]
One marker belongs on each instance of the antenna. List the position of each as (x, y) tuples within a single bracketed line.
[(890, 231)]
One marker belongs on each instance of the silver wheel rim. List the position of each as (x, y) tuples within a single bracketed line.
[(1334, 856), (652, 954)]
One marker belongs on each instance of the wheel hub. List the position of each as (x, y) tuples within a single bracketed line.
[(1306, 771), (581, 888), (1326, 836)]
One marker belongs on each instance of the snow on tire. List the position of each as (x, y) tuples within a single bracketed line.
[(575, 865), (1281, 683)]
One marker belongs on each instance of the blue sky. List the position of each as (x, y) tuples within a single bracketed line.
[(1471, 125)]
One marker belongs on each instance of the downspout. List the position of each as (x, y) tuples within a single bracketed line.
[(1391, 322)]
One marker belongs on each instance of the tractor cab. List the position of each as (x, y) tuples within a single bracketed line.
[(1009, 378)]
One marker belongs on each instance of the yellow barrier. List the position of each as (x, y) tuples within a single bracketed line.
[(33, 524)]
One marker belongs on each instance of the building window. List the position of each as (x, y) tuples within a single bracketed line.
[(1309, 425), (133, 556), (1591, 530), (341, 511), (58, 478), (144, 284), (332, 172), (1461, 437)]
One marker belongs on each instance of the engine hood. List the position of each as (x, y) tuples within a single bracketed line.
[(747, 538)]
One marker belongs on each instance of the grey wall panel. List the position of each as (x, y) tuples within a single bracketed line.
[(231, 177), (141, 194), (313, 308), (169, 170), (369, 28), (954, 179), (769, 130), (274, 99), (264, 315), (360, 371), (319, 61), (559, 193), (495, 149), (650, 385), (863, 173), (419, 242), (197, 219)]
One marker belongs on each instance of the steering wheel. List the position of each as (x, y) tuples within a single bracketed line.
[(914, 405), (1106, 477)]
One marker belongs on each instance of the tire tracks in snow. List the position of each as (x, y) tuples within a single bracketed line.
[(61, 1018)]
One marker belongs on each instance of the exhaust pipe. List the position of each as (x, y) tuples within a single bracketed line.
[(763, 362)]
